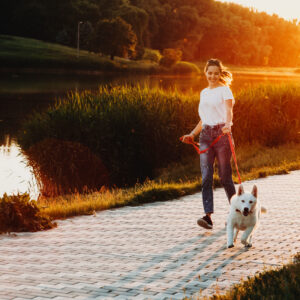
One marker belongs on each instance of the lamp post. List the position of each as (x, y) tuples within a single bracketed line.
[(78, 36)]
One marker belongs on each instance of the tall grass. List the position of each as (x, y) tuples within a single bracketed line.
[(132, 130), (268, 114), (135, 131), (64, 167), (175, 181)]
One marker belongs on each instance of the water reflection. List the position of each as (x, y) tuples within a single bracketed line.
[(15, 176)]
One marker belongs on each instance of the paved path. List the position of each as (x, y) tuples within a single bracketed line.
[(154, 251)]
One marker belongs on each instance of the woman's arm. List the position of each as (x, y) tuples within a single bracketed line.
[(229, 116), (193, 133), (196, 131)]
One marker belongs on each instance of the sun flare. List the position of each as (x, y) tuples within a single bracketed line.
[(288, 9)]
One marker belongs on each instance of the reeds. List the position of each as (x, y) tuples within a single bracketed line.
[(268, 115), (134, 131), (64, 167)]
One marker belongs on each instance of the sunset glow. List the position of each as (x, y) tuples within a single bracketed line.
[(287, 9)]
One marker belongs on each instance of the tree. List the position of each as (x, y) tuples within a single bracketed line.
[(138, 19), (115, 37)]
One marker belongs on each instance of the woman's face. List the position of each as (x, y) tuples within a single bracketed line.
[(213, 74)]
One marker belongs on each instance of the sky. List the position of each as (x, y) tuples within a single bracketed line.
[(287, 9)]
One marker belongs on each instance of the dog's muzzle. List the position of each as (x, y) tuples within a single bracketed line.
[(246, 211)]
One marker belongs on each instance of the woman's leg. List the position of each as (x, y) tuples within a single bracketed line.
[(207, 170), (223, 154)]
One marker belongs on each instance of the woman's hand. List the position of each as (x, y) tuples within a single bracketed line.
[(188, 138), (226, 129)]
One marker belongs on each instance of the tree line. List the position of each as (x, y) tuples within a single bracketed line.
[(200, 29)]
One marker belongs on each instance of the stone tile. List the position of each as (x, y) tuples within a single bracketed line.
[(154, 251)]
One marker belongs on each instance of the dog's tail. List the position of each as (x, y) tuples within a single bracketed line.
[(263, 209)]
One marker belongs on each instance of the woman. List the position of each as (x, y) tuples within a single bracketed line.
[(215, 111)]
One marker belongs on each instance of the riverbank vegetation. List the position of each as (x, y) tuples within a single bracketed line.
[(133, 133), (179, 179), (237, 35), (31, 55)]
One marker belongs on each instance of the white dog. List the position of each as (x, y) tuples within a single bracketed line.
[(244, 214)]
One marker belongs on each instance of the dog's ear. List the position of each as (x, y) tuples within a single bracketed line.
[(254, 191), (240, 190)]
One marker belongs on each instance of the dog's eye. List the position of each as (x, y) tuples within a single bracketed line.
[(243, 201), (250, 202)]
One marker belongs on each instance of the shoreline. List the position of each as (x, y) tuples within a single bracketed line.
[(249, 71)]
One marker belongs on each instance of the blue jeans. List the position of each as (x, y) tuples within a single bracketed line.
[(222, 152)]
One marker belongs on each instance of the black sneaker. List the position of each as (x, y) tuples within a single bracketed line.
[(205, 222)]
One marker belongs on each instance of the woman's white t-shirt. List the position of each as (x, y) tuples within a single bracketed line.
[(212, 107)]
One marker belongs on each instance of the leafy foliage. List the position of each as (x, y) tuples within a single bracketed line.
[(115, 38), (200, 28), (18, 213)]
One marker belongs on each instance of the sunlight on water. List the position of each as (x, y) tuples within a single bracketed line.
[(16, 176)]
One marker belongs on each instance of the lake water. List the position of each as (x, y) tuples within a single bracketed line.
[(21, 94)]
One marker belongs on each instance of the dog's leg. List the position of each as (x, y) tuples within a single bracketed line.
[(247, 237), (250, 241), (230, 230), (235, 233)]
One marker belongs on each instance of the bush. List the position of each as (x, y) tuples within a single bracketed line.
[(170, 57), (184, 67), (18, 214), (132, 130), (152, 55), (64, 167)]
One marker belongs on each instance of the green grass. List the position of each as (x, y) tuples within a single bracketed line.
[(26, 53), (17, 52), (280, 283), (176, 181)]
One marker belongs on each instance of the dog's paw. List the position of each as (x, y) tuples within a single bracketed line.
[(246, 244), (230, 246)]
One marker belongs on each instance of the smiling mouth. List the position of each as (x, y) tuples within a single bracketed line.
[(245, 213)]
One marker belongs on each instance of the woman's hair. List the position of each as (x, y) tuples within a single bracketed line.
[(225, 76)]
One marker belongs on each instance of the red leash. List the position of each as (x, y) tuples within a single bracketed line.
[(234, 157), (196, 146)]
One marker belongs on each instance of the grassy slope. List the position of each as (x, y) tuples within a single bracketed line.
[(18, 52)]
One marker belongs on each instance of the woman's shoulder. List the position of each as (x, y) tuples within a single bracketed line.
[(225, 88), (204, 91)]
